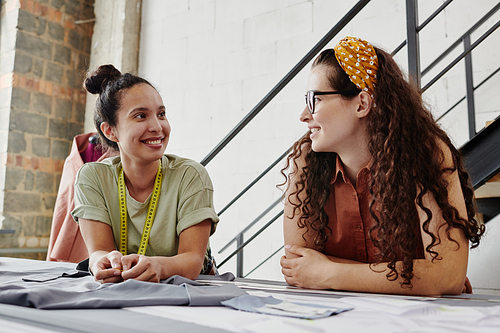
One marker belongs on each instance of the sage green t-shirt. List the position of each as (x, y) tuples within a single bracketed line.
[(186, 199)]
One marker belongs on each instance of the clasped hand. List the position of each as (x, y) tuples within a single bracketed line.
[(305, 268), (115, 267)]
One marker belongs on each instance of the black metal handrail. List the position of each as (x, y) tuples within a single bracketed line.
[(460, 39), (239, 248), (420, 27), (251, 224), (464, 97), (461, 56), (259, 177), (433, 15), (264, 261), (286, 79), (465, 39)]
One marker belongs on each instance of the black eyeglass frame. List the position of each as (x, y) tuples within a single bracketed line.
[(311, 102)]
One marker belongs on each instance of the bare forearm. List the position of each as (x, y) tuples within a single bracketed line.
[(428, 279), (312, 269), (187, 264)]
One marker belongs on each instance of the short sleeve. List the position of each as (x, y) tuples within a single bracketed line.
[(196, 199), (89, 197)]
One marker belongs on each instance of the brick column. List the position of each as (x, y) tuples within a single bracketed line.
[(45, 53)]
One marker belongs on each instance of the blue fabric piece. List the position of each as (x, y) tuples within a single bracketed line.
[(264, 305)]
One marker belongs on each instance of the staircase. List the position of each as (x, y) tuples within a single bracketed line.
[(482, 161)]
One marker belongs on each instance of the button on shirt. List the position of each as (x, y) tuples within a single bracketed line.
[(350, 220)]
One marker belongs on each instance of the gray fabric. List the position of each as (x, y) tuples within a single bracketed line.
[(60, 278), (39, 275), (44, 277), (97, 320), (177, 279), (67, 289), (258, 304)]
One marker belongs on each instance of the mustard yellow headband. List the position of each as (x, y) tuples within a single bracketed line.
[(358, 59)]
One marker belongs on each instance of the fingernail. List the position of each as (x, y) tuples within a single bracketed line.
[(287, 246)]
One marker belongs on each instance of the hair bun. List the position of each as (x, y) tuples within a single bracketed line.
[(97, 81)]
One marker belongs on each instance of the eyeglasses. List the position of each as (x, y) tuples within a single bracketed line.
[(311, 94)]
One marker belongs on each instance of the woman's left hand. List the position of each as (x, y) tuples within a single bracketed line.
[(311, 269), (143, 268)]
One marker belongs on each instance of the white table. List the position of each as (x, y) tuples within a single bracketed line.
[(372, 312)]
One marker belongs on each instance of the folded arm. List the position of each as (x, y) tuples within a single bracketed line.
[(109, 265), (306, 267), (312, 269)]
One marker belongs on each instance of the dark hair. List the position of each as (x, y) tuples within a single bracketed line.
[(407, 158), (109, 83)]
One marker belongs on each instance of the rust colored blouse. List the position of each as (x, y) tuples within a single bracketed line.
[(350, 220)]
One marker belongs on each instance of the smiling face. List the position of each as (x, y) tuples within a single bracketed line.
[(336, 125), (142, 128)]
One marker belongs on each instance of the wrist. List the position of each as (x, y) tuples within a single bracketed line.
[(335, 276), (164, 266)]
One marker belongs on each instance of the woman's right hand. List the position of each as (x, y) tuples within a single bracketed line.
[(108, 268), (105, 261), (307, 268)]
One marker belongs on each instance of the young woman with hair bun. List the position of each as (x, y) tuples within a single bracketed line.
[(144, 215), (377, 198)]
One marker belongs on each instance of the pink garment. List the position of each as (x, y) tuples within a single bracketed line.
[(66, 242)]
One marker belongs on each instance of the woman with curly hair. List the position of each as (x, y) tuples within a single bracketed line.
[(377, 198)]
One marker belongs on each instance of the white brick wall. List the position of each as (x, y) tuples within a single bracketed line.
[(214, 60)]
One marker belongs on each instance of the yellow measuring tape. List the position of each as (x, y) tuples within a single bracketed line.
[(149, 219)]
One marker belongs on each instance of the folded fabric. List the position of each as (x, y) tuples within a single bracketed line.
[(272, 306), (43, 277), (65, 289), (58, 277)]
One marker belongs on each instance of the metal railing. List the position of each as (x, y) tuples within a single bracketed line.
[(464, 97), (412, 44), (239, 238), (286, 79)]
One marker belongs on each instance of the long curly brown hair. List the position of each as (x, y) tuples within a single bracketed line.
[(406, 165)]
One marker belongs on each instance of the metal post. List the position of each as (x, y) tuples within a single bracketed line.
[(470, 89), (412, 41), (239, 257)]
